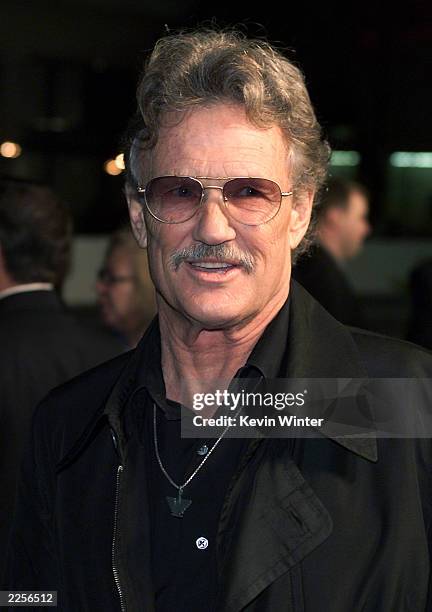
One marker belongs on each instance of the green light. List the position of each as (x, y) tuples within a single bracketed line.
[(345, 158), (405, 159)]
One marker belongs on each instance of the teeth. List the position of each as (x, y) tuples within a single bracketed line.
[(211, 265)]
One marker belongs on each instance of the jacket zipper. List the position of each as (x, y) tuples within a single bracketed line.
[(114, 566)]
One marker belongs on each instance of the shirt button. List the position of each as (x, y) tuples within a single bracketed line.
[(202, 543), (203, 450)]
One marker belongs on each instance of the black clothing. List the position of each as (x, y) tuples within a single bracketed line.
[(323, 278), (420, 326), (332, 524), (41, 346), (183, 574)]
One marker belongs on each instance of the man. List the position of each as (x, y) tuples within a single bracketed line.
[(124, 289), (117, 510), (342, 226), (41, 345)]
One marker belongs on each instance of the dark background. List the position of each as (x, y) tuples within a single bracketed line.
[(68, 72)]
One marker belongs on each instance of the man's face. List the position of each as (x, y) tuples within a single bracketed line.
[(354, 225), (117, 290), (219, 141)]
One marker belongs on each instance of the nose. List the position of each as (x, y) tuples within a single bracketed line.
[(213, 224)]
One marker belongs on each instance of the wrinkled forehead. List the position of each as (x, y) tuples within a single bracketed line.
[(218, 140)]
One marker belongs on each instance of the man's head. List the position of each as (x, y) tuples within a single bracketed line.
[(124, 290), (342, 217), (35, 234), (214, 106)]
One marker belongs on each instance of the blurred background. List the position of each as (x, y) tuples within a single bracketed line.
[(68, 72)]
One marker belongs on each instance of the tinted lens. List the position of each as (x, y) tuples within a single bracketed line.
[(252, 200), (173, 199)]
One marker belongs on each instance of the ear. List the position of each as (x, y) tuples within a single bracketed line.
[(300, 217), (136, 214)]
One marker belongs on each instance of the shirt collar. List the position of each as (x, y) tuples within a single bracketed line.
[(269, 353), (264, 360), (312, 345), (24, 288)]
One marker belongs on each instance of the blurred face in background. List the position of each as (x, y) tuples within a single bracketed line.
[(351, 224), (119, 294)]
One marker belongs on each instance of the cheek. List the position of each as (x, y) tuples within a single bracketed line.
[(271, 242), (122, 298), (162, 244)]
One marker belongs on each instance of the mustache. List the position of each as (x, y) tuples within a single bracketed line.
[(221, 252)]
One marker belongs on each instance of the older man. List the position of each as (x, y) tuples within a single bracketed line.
[(118, 511)]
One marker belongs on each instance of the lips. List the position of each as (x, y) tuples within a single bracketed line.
[(213, 266)]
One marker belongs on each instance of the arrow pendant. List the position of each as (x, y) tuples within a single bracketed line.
[(178, 505)]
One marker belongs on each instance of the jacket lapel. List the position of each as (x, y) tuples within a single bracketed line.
[(275, 523), (272, 518), (322, 348)]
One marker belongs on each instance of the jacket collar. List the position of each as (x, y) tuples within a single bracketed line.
[(318, 347), (34, 300), (321, 347)]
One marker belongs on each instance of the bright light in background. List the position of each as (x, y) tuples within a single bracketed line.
[(112, 168), (119, 161), (345, 158), (115, 166), (405, 159), (10, 149)]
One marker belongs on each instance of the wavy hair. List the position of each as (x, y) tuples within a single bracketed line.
[(206, 67)]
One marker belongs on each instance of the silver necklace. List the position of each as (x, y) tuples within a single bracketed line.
[(178, 505)]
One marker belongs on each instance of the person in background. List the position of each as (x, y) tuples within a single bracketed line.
[(41, 345), (125, 292), (342, 226)]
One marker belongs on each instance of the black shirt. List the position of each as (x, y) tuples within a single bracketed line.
[(184, 551)]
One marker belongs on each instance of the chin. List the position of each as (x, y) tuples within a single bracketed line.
[(106, 318), (214, 316)]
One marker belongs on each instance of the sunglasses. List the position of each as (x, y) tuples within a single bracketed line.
[(176, 199)]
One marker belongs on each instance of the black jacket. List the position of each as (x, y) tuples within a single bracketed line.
[(420, 325), (340, 527), (41, 346), (324, 279)]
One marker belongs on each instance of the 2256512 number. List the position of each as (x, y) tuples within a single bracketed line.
[(23, 598)]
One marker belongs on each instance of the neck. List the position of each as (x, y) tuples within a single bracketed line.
[(198, 360)]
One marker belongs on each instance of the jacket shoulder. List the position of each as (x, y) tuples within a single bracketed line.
[(71, 408), (386, 357), (96, 381)]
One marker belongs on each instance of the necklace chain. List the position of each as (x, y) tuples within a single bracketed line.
[(197, 469)]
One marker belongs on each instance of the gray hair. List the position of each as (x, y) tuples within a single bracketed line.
[(205, 67)]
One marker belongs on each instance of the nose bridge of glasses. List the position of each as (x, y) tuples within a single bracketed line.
[(205, 188)]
